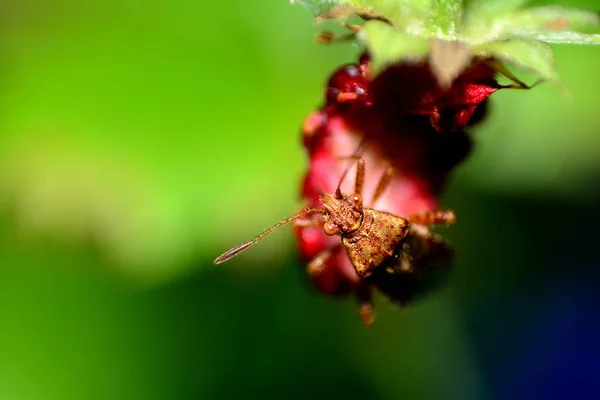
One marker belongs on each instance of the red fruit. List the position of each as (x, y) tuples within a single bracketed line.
[(349, 83), (404, 120), (413, 89)]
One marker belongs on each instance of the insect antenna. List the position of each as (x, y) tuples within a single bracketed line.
[(237, 250), (353, 158)]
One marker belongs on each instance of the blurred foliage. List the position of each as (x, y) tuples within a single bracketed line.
[(138, 140)]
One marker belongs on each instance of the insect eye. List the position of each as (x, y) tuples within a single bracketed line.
[(357, 200), (330, 229)]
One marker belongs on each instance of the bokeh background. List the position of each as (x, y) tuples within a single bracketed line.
[(138, 140)]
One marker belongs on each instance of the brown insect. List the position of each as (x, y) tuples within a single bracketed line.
[(371, 238)]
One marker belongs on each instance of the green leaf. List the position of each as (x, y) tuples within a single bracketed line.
[(564, 37), (479, 14), (490, 9), (550, 18), (388, 45), (538, 19), (528, 54), (409, 15), (444, 18), (318, 7)]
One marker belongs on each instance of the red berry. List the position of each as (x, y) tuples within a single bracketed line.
[(404, 120), (348, 84)]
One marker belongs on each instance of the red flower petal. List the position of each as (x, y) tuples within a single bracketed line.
[(402, 119)]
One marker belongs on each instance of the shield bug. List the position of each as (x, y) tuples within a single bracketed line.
[(370, 237)]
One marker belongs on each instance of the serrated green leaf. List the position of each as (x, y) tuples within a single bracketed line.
[(532, 55), (409, 15), (490, 9), (318, 7), (551, 18), (537, 19), (564, 37), (478, 15), (388, 45), (444, 19)]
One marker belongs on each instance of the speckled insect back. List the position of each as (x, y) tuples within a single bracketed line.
[(396, 136), (371, 239), (422, 82), (378, 249)]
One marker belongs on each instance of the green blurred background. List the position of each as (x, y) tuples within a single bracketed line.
[(138, 140)]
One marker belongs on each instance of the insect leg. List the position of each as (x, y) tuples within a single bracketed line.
[(383, 183), (433, 217), (353, 157), (424, 250), (404, 262), (360, 172), (364, 295), (317, 264), (360, 176), (431, 248)]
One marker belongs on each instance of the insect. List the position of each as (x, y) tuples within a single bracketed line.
[(370, 237), (421, 268)]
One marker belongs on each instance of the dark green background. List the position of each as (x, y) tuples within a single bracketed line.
[(138, 140)]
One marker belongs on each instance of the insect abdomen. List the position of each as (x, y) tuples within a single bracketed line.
[(378, 239)]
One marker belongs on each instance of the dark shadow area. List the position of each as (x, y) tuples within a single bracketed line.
[(528, 281)]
